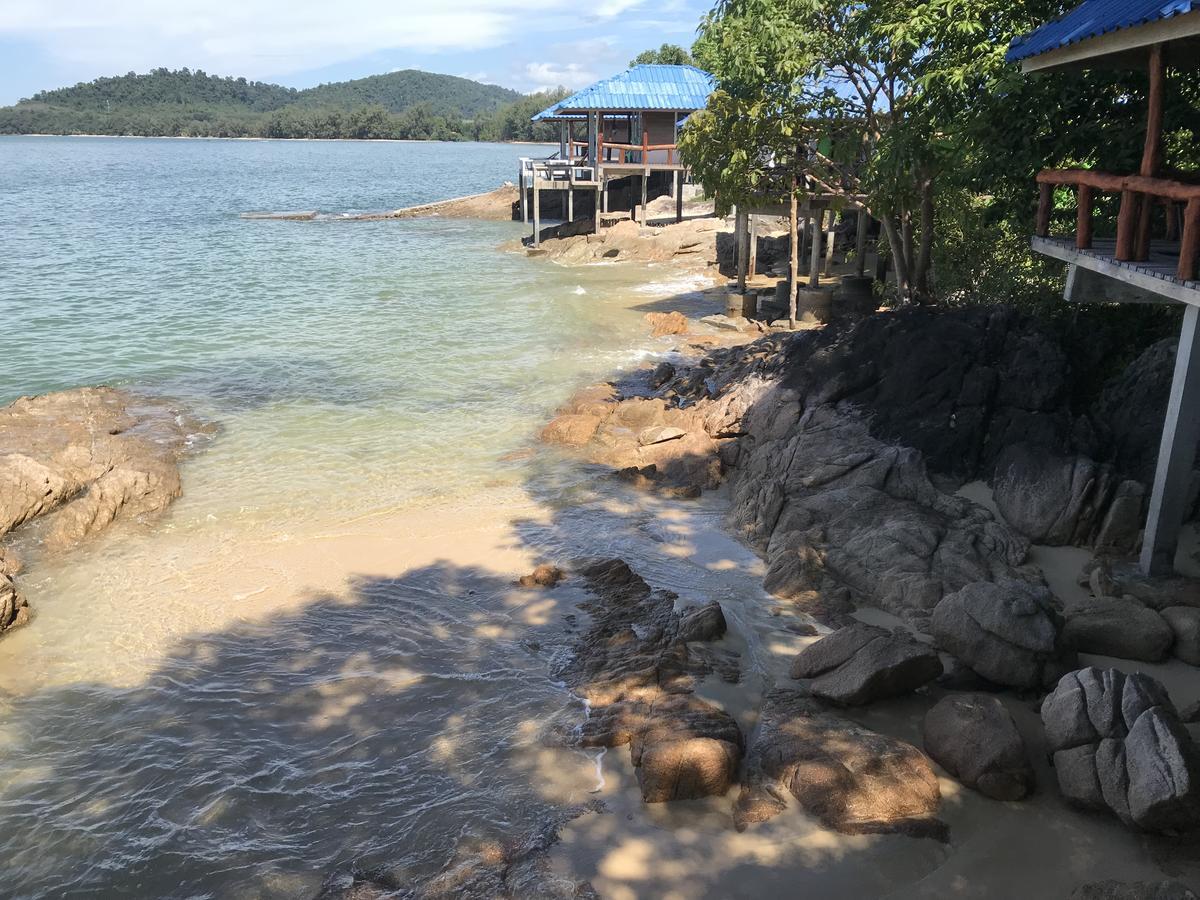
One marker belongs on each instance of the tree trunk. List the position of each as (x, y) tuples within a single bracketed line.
[(922, 293), (794, 254), (896, 244)]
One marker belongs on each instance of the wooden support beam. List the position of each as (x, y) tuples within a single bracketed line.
[(860, 243), (678, 197), (1045, 207), (1127, 220), (1176, 453), (1189, 247), (1152, 152)]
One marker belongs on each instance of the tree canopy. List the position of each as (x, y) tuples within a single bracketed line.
[(666, 55)]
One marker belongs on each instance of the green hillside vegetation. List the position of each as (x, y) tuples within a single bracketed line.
[(399, 105)]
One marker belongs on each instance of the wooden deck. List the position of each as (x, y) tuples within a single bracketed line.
[(1156, 275)]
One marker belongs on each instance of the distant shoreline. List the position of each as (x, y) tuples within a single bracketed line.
[(199, 137)]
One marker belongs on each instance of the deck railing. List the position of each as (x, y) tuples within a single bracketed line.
[(1138, 193)]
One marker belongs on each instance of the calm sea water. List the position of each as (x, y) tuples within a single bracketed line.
[(259, 689)]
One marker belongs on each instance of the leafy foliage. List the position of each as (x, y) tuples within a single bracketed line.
[(666, 55)]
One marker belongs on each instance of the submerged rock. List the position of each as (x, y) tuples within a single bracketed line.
[(862, 663), (544, 575), (974, 738), (1118, 745), (850, 778)]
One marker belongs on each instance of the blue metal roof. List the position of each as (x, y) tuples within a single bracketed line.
[(681, 88), (1093, 18)]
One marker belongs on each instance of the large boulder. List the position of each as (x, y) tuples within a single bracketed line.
[(1052, 499), (1119, 627), (974, 738), (1185, 623), (14, 611), (1008, 633), (853, 780), (571, 430), (862, 663), (1118, 745)]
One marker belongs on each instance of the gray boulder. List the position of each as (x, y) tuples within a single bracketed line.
[(1008, 633), (1185, 623), (1117, 627), (862, 663), (1052, 499), (702, 623), (1118, 744), (974, 738)]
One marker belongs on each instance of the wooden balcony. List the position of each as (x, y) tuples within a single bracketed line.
[(1164, 264)]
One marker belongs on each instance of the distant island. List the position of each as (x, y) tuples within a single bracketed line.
[(404, 105)]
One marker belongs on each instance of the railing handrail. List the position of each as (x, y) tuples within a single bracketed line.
[(1166, 188)]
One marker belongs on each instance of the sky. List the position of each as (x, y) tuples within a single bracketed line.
[(523, 44)]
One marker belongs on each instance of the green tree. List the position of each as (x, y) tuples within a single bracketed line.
[(666, 55)]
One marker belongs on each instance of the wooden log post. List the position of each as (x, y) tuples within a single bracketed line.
[(1152, 152), (1189, 247), (1045, 207), (678, 197), (1083, 219), (860, 244), (793, 253), (1127, 222), (1176, 454)]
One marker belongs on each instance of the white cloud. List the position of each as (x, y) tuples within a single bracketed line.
[(544, 76), (265, 38)]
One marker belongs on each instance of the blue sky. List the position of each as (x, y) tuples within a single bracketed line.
[(523, 44)]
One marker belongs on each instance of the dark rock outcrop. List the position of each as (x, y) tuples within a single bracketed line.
[(850, 778), (1185, 623), (1134, 890), (1118, 745), (1008, 633), (1052, 499), (974, 738), (862, 663)]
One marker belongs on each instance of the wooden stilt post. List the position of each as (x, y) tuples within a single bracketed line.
[(814, 263), (678, 197), (1152, 152), (739, 237), (1176, 453), (537, 213), (860, 244)]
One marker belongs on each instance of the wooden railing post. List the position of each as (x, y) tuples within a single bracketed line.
[(1189, 248), (1083, 219), (1045, 202), (1127, 224)]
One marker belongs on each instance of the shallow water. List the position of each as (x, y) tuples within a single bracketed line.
[(316, 661)]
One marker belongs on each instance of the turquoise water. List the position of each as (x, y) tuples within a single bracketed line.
[(313, 663)]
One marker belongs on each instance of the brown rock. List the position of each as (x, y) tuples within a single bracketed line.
[(974, 738), (862, 663), (571, 430), (687, 769), (665, 323), (544, 575)]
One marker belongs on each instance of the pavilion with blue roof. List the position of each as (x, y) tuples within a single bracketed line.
[(1154, 256), (621, 128)]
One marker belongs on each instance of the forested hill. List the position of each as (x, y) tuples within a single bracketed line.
[(406, 104)]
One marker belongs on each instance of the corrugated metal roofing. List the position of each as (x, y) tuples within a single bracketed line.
[(1093, 18), (682, 88)]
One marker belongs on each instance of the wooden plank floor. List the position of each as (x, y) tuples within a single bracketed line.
[(1163, 262)]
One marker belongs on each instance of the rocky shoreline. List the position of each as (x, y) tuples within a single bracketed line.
[(73, 463)]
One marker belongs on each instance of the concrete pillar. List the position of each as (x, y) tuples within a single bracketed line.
[(830, 242), (645, 185), (521, 189), (571, 203), (537, 213), (814, 263), (1176, 453), (752, 241), (860, 244)]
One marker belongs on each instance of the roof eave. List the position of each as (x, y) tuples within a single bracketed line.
[(1116, 47)]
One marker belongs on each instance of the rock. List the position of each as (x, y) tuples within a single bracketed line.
[(14, 611), (1191, 714), (1118, 744), (665, 323), (662, 373), (1117, 627), (1051, 499), (702, 623), (687, 769), (1185, 623), (1009, 634), (658, 434), (740, 323), (850, 778), (544, 575), (571, 430), (634, 666), (974, 738), (861, 663), (1135, 890), (1121, 530), (1131, 409)]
